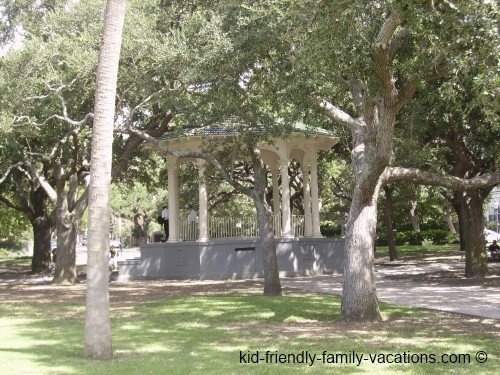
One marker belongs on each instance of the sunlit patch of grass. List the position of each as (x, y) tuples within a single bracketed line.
[(205, 334), (416, 250)]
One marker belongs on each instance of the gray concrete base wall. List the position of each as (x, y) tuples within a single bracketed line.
[(233, 259)]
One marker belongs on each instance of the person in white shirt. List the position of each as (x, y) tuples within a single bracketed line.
[(192, 218), (164, 215), (193, 215)]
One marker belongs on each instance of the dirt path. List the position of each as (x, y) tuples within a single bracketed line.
[(430, 282), (433, 282)]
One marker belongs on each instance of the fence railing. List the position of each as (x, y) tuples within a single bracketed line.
[(235, 227)]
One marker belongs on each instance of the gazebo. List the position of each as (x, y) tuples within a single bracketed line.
[(212, 253)]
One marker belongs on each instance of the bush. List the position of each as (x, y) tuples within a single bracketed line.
[(408, 237), (414, 238), (437, 236), (453, 238), (329, 229), (4, 253), (382, 238)]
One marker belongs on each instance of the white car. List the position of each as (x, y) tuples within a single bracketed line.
[(491, 235)]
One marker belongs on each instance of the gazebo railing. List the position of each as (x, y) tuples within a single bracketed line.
[(235, 227), (188, 230)]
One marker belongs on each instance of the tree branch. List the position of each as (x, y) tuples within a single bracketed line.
[(51, 193), (382, 56), (9, 204), (192, 154), (337, 115), (135, 141), (417, 176), (7, 172), (409, 88)]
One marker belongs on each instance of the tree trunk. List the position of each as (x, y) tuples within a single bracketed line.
[(67, 233), (42, 231), (469, 206), (393, 253), (97, 323), (359, 295), (415, 220), (42, 224), (447, 210), (272, 286)]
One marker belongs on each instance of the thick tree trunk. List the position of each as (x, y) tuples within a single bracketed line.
[(67, 233), (359, 295), (469, 205), (272, 286), (97, 323), (42, 231), (393, 253)]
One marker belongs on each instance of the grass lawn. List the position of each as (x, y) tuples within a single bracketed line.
[(417, 250), (191, 330), (22, 261)]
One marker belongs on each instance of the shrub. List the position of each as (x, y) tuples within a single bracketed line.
[(329, 229), (437, 236), (409, 237), (381, 238), (414, 238)]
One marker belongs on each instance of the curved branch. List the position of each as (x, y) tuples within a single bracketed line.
[(192, 154), (51, 193), (336, 114), (9, 204), (417, 176), (7, 172)]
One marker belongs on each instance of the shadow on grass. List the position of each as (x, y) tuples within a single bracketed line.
[(24, 260), (205, 334)]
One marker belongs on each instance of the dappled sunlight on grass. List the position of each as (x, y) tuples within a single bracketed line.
[(299, 319), (205, 334)]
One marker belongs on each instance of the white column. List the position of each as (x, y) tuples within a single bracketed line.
[(307, 200), (173, 199), (286, 217), (276, 189), (203, 203), (316, 231)]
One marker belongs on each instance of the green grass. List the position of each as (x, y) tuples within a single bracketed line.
[(205, 334), (16, 261), (416, 250)]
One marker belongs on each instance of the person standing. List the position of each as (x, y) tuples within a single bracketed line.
[(192, 218), (164, 216)]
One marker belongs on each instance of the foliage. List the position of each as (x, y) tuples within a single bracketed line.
[(14, 227), (128, 200), (330, 229), (410, 237), (440, 237)]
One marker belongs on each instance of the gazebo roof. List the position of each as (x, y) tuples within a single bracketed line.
[(224, 131)]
